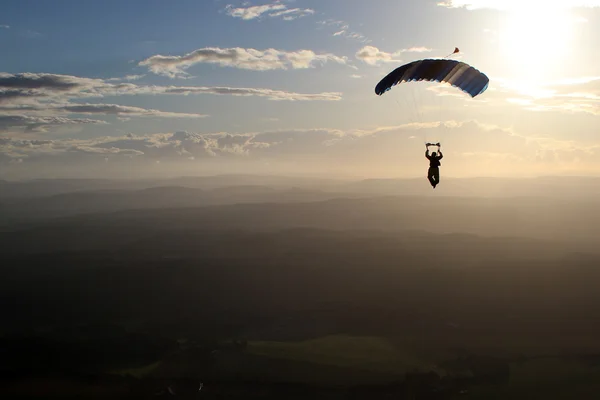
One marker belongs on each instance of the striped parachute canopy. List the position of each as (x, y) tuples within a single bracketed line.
[(456, 73)]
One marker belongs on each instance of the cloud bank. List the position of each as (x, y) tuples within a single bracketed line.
[(373, 56), (38, 101), (237, 57), (569, 95), (342, 29), (518, 4), (392, 148), (273, 10)]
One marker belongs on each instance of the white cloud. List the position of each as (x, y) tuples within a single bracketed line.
[(576, 81), (518, 4), (251, 59), (575, 105), (253, 12), (273, 10), (473, 146), (46, 83), (268, 93), (50, 95), (342, 29), (38, 102), (416, 49), (114, 109), (62, 150), (31, 34), (292, 13), (91, 109), (126, 78), (23, 89), (4, 26), (569, 95), (373, 56), (445, 90), (12, 122)]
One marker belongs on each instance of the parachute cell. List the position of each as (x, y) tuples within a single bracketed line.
[(456, 73)]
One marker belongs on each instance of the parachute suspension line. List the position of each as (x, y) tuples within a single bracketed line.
[(416, 105), (404, 108), (418, 113), (443, 128), (408, 109), (409, 106), (471, 81), (442, 104)]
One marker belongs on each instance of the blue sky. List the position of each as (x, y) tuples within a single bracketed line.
[(107, 88)]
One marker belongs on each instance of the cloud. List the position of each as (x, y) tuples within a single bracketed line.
[(98, 109), (470, 146), (63, 83), (250, 59), (61, 150), (114, 109), (279, 142), (30, 34), (342, 29), (293, 13), (180, 145), (23, 89), (32, 87), (373, 56), (4, 26), (576, 105), (39, 123), (126, 78), (417, 49), (253, 12), (517, 4), (446, 90), (268, 93), (273, 10), (569, 95), (41, 97)]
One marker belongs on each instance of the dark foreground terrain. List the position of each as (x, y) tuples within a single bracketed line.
[(335, 298)]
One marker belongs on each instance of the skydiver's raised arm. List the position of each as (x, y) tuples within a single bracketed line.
[(440, 155), (427, 154)]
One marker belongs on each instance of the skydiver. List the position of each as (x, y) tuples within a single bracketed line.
[(433, 174)]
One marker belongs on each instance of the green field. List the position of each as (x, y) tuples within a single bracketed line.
[(366, 353), (557, 379), (138, 372)]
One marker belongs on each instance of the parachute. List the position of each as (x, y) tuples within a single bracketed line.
[(456, 73), (423, 101)]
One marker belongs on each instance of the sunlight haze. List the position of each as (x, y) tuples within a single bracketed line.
[(300, 199), (99, 89)]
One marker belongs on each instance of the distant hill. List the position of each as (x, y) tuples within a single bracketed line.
[(575, 223), (21, 210), (565, 187), (48, 187)]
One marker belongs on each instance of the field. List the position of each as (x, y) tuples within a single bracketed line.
[(366, 353)]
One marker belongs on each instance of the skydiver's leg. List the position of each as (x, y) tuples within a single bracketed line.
[(436, 174), (430, 177)]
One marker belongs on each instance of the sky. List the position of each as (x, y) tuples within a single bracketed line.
[(151, 88)]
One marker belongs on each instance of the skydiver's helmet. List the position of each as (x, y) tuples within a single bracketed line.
[(434, 154)]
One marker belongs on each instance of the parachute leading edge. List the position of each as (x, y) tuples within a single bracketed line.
[(456, 73)]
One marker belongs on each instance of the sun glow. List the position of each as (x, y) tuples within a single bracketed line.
[(535, 41)]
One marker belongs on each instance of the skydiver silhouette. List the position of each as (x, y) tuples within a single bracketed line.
[(433, 174)]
